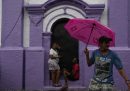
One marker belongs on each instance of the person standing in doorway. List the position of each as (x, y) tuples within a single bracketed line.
[(104, 59), (54, 67)]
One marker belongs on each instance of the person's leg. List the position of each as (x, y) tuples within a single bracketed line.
[(57, 67), (65, 78), (57, 76), (51, 65), (53, 77), (65, 86)]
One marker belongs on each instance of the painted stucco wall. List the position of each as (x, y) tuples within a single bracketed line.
[(11, 52), (12, 23), (0, 19), (128, 23), (12, 58), (118, 21)]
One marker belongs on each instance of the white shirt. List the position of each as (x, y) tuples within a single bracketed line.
[(55, 54)]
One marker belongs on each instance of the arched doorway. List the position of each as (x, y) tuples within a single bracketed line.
[(69, 46)]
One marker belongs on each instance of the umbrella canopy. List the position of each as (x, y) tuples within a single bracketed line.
[(89, 31)]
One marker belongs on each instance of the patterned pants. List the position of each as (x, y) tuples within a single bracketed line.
[(95, 86)]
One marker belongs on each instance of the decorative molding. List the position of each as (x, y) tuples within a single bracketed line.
[(94, 10), (35, 9), (87, 8), (36, 19), (46, 34)]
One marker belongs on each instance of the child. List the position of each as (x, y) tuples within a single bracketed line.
[(53, 64), (104, 59), (72, 75)]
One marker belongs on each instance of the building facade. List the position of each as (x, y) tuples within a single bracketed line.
[(26, 33)]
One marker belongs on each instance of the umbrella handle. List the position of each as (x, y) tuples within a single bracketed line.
[(90, 33)]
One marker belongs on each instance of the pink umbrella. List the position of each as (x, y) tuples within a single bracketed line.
[(89, 31)]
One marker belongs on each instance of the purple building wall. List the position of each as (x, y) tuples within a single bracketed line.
[(11, 52), (12, 27), (11, 60), (118, 21), (25, 68), (34, 68), (128, 4)]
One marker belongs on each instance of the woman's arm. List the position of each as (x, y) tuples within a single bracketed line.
[(124, 76), (53, 57), (89, 62)]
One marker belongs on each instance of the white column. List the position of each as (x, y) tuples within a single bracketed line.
[(26, 31), (104, 17)]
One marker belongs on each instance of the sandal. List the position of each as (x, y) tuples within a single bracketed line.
[(56, 85)]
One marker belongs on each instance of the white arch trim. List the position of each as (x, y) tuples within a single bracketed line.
[(64, 6), (54, 20), (48, 28), (59, 12)]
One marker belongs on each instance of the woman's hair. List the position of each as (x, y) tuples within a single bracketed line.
[(104, 39)]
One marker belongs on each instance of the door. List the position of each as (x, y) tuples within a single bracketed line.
[(69, 46)]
